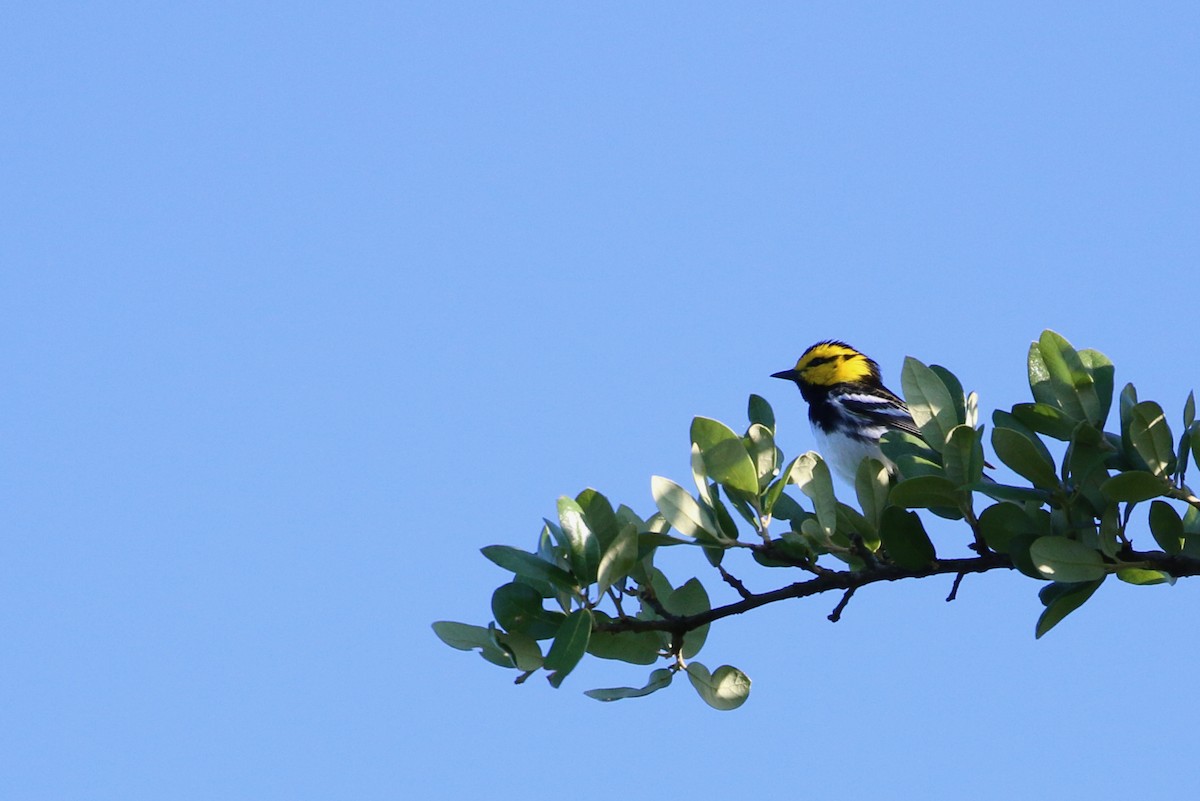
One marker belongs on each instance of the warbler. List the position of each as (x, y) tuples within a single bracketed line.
[(848, 405)]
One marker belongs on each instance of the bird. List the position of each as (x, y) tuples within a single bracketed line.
[(848, 406)]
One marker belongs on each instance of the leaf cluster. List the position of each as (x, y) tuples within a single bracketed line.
[(591, 586)]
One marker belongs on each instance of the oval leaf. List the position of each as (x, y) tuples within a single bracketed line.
[(1024, 457), (685, 601), (1064, 603), (1151, 437), (725, 688), (1063, 560), (924, 492), (962, 458), (570, 644), (930, 402), (905, 540), (1167, 527), (583, 545), (681, 510), (726, 459), (529, 565), (1133, 486), (619, 559), (811, 474)]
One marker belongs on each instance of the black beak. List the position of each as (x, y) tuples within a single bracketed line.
[(787, 375)]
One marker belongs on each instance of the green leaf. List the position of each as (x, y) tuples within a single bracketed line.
[(1127, 401), (521, 648), (681, 510), (466, 637), (786, 507), (599, 516), (775, 491), (871, 487), (962, 457), (725, 688), (529, 565), (763, 454), (518, 608), (1151, 437), (759, 411), (725, 456), (905, 540), (619, 559), (1072, 382), (1004, 492), (1189, 410), (1001, 522), (634, 647), (690, 599), (1102, 372), (570, 644), (1144, 578), (955, 388), (1167, 527), (1063, 560), (925, 492), (911, 455), (583, 545), (811, 474), (1063, 602), (1039, 377), (462, 636), (658, 679), (1018, 551), (931, 403), (1133, 486), (1110, 531), (1026, 459), (1045, 419)]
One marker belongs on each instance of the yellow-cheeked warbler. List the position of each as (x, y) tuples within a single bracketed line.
[(848, 405)]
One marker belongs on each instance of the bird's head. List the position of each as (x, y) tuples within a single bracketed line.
[(829, 363)]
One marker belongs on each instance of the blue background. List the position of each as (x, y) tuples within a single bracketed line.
[(302, 304)]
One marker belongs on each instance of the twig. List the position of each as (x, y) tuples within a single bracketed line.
[(836, 614), (954, 590), (735, 583)]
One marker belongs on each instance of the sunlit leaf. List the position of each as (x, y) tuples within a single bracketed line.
[(1063, 560), (759, 411), (811, 474), (1151, 437), (681, 510), (725, 457), (583, 543), (871, 487), (930, 402), (725, 688), (619, 559)]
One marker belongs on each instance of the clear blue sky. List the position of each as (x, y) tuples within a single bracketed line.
[(302, 304)]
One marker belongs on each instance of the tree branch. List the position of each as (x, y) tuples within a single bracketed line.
[(1176, 565)]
